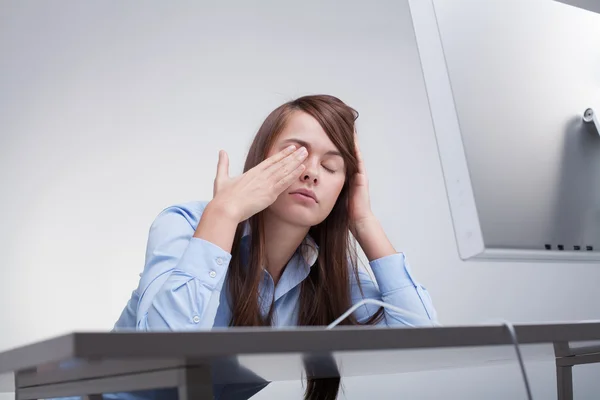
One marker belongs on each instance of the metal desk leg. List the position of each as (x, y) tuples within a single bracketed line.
[(564, 382)]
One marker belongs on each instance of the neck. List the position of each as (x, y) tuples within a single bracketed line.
[(281, 241)]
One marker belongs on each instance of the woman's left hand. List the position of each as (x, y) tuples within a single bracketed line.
[(359, 204)]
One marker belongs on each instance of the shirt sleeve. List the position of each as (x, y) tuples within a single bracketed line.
[(394, 284), (183, 276)]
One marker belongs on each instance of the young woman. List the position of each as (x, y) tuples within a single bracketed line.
[(273, 246)]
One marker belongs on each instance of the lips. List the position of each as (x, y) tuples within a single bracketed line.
[(307, 193)]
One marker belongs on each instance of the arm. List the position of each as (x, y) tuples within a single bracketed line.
[(395, 285), (186, 265), (184, 270)]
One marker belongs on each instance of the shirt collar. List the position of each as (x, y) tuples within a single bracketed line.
[(297, 269)]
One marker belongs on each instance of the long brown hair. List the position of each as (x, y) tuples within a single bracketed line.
[(326, 293)]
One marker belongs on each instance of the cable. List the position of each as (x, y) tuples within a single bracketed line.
[(508, 325), (513, 336), (381, 304)]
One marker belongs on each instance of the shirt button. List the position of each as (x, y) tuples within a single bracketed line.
[(219, 261), (196, 319), (212, 274)]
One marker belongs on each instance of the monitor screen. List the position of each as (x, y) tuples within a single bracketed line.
[(508, 85)]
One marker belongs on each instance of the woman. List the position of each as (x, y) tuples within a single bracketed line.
[(273, 246)]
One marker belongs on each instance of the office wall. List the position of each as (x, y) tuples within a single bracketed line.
[(110, 112)]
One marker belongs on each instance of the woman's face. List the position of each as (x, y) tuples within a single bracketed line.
[(310, 199)]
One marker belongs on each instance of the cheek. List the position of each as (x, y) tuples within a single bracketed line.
[(332, 188)]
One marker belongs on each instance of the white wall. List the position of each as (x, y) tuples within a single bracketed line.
[(111, 111)]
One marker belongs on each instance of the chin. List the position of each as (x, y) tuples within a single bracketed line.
[(297, 214)]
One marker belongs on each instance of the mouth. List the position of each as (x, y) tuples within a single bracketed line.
[(305, 194)]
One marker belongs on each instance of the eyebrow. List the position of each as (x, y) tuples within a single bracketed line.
[(307, 145)]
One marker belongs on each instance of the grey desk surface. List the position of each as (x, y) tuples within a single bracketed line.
[(278, 354)]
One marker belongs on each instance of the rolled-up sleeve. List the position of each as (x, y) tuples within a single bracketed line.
[(394, 284), (182, 279)]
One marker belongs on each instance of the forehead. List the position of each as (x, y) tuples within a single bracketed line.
[(303, 126)]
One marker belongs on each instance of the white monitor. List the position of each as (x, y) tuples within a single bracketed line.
[(508, 83), (592, 5)]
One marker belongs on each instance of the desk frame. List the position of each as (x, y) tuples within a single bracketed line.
[(114, 362)]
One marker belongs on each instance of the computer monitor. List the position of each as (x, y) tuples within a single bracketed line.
[(591, 5), (508, 84)]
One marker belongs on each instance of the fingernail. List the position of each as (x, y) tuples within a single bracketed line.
[(291, 148)]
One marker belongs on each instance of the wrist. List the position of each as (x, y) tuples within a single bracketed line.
[(217, 226), (224, 209), (372, 239), (363, 225)]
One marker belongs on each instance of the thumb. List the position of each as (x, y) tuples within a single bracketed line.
[(223, 166)]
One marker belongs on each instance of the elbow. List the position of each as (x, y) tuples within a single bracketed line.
[(423, 322)]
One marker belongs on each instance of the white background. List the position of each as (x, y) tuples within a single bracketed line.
[(110, 112)]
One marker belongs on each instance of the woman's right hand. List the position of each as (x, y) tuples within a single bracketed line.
[(243, 196)]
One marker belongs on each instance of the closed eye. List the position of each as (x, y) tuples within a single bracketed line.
[(331, 171)]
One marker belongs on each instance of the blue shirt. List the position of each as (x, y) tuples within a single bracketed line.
[(183, 285)]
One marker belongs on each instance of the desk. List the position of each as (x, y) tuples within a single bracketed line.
[(195, 363)]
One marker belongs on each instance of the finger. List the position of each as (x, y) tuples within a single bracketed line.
[(222, 166), (277, 157), (286, 181), (359, 158), (287, 165)]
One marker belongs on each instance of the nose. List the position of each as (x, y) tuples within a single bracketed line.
[(308, 177), (310, 173)]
